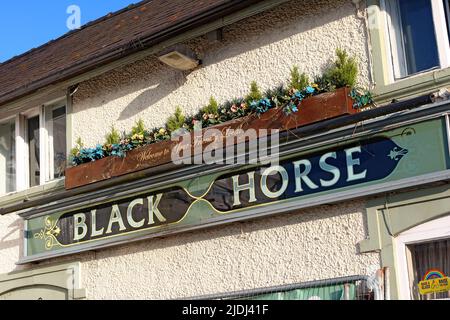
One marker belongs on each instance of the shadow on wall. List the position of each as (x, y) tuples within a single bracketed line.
[(9, 240), (12, 240), (159, 81), (153, 79), (153, 94)]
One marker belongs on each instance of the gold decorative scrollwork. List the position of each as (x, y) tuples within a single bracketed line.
[(49, 233)]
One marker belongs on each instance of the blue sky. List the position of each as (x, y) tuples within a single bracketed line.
[(28, 24)]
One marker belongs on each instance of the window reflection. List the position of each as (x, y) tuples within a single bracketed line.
[(7, 157), (33, 151), (56, 127), (418, 35)]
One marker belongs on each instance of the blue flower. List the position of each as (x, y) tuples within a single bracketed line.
[(261, 106), (118, 153), (265, 102), (309, 90), (76, 160), (98, 152), (294, 109), (298, 95)]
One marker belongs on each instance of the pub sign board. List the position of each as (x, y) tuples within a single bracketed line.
[(398, 154)]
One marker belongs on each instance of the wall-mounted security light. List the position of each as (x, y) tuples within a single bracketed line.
[(179, 57)]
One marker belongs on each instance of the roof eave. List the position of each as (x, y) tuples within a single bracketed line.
[(120, 52)]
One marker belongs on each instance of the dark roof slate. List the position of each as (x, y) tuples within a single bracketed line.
[(107, 39)]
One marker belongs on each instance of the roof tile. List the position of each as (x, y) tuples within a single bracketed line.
[(113, 33)]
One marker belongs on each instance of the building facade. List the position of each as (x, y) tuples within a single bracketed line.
[(395, 219)]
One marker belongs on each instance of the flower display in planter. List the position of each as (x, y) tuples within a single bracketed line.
[(288, 98)]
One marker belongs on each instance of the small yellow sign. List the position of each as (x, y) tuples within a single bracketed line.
[(434, 285)]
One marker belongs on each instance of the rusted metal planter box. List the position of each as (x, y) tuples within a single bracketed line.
[(317, 108)]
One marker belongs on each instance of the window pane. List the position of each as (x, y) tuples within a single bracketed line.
[(7, 157), (447, 15), (418, 35), (56, 128), (34, 150), (428, 256)]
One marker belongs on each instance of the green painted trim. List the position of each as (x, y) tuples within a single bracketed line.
[(64, 276), (412, 86), (372, 243), (377, 41), (394, 213), (31, 193)]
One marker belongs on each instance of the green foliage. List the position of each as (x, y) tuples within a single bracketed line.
[(113, 137), (160, 134), (298, 81), (279, 95), (208, 115), (323, 84), (176, 121), (343, 72), (75, 151), (254, 94), (361, 98), (138, 128), (212, 107)]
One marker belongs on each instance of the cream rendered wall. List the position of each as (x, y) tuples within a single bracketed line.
[(311, 244), (262, 48), (317, 243), (11, 230)]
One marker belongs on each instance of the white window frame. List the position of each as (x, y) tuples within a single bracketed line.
[(397, 68), (437, 229), (447, 122), (45, 146), (5, 120), (47, 137), (24, 177), (447, 10)]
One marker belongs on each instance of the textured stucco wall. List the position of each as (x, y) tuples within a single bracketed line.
[(311, 244), (11, 230), (317, 243), (262, 48)]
